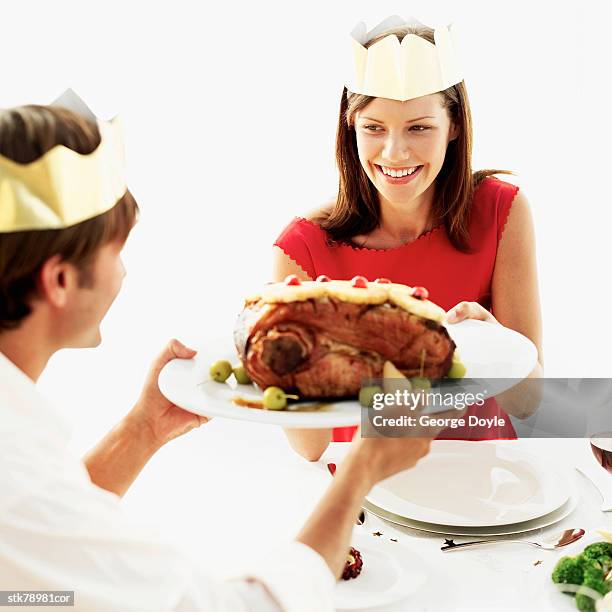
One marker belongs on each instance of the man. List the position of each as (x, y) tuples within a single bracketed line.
[(65, 214)]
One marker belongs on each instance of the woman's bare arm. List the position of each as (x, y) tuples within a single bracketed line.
[(515, 292), (516, 299), (516, 304), (283, 265)]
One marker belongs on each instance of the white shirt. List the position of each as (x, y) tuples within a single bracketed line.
[(59, 531)]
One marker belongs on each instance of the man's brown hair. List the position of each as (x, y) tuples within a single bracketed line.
[(26, 134)]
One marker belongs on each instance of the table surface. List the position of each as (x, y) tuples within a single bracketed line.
[(231, 491)]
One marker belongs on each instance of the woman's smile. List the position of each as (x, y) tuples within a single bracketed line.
[(398, 175)]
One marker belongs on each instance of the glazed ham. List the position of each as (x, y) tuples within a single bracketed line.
[(323, 347)]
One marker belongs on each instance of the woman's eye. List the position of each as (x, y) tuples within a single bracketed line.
[(372, 128), (418, 128)]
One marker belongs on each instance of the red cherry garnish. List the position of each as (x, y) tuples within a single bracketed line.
[(383, 281), (352, 569), (292, 281), (323, 279), (420, 293), (359, 282)]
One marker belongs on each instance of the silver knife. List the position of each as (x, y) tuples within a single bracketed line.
[(602, 481)]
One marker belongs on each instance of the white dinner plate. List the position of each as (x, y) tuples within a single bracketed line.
[(391, 573), (186, 383), (539, 523), (473, 484), (493, 351), (486, 349)]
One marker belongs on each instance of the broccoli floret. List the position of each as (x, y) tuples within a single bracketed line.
[(597, 550), (592, 569), (569, 570), (595, 578), (585, 603), (606, 564)]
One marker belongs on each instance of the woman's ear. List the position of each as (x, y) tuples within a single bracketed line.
[(453, 132)]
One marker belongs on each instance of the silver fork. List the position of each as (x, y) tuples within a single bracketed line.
[(551, 542)]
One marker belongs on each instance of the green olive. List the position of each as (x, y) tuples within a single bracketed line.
[(457, 370), (420, 382), (240, 373), (366, 395), (274, 398), (220, 370)]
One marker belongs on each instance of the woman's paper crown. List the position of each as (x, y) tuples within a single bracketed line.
[(63, 187), (406, 70)]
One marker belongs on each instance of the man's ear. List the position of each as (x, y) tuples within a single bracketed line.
[(56, 280)]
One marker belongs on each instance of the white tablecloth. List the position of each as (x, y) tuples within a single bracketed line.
[(231, 490)]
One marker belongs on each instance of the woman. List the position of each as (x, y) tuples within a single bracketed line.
[(410, 209)]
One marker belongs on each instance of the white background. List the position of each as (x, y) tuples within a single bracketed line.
[(230, 111)]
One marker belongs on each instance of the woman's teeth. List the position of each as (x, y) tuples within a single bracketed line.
[(398, 172)]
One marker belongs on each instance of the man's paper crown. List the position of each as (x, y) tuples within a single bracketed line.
[(402, 71), (63, 187)]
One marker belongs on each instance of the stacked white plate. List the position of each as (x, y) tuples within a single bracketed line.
[(475, 488)]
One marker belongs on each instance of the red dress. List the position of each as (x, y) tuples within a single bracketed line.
[(431, 261)]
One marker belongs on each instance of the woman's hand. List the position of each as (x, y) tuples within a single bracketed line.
[(522, 400), (469, 310), (163, 419)]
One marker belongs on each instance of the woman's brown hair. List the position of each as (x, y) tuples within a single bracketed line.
[(357, 208), (27, 133)]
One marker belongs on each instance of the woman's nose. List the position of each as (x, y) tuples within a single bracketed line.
[(396, 149)]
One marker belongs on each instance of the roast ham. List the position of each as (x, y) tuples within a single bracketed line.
[(322, 343)]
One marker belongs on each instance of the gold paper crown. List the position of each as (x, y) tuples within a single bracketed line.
[(406, 70), (64, 187)]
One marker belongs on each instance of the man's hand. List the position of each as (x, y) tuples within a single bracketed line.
[(380, 458), (370, 460), (163, 419), (120, 456)]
